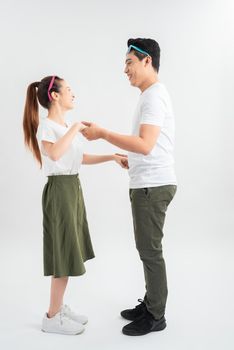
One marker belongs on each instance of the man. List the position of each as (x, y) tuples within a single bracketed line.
[(152, 178)]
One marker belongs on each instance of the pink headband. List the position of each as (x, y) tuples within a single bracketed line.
[(50, 86)]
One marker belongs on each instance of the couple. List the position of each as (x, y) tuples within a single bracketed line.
[(55, 145)]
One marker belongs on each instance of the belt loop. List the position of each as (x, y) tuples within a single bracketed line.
[(146, 190)]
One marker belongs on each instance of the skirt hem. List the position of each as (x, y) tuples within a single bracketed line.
[(75, 274)]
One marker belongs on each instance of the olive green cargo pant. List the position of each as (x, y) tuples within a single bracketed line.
[(149, 206)]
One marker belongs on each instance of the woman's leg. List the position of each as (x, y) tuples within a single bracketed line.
[(58, 286)]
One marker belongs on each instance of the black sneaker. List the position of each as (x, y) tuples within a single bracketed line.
[(133, 314), (144, 324)]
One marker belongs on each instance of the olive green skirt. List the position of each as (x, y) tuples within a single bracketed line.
[(66, 240)]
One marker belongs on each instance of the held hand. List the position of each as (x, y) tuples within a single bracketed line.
[(82, 127), (79, 126), (92, 131), (122, 160)]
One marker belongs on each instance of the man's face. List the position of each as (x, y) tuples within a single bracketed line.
[(135, 69)]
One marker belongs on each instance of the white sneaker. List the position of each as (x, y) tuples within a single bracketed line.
[(73, 316), (61, 324)]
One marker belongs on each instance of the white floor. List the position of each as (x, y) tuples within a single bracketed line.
[(199, 310)]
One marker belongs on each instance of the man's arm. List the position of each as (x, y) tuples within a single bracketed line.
[(143, 143)]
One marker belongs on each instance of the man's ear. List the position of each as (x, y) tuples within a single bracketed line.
[(148, 60)]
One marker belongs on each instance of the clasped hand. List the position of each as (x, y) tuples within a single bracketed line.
[(92, 131)]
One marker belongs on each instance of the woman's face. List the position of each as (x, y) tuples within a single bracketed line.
[(65, 97)]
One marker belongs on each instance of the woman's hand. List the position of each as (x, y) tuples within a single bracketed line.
[(121, 159), (80, 126)]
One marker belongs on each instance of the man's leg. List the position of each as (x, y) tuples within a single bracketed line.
[(149, 209)]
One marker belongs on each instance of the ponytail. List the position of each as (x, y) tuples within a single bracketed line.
[(38, 91), (31, 121)]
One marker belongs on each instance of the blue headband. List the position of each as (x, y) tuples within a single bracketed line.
[(137, 49)]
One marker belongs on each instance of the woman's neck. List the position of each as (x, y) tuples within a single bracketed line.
[(57, 114)]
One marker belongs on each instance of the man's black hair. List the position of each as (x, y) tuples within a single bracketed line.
[(150, 46)]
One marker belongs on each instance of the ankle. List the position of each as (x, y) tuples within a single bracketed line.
[(51, 313)]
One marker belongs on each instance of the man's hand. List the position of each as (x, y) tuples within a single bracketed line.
[(122, 160), (92, 131)]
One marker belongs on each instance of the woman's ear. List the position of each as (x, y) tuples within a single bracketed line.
[(54, 95)]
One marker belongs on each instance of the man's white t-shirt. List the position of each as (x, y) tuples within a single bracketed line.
[(156, 168), (69, 163)]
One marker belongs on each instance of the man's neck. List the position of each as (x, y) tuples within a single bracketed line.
[(148, 82)]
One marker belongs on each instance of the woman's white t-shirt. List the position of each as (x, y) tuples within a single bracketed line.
[(70, 162), (156, 168)]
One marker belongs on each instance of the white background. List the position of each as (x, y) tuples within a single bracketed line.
[(85, 43)]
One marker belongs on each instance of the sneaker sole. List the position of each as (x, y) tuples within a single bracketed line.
[(83, 323), (157, 329), (64, 333)]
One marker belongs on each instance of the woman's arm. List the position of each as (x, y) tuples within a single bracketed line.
[(121, 159), (96, 159), (56, 150)]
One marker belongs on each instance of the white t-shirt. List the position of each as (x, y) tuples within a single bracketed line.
[(69, 163), (156, 168)]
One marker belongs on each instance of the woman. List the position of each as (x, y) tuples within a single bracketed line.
[(66, 240)]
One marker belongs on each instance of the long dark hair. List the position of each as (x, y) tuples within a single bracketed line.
[(37, 91)]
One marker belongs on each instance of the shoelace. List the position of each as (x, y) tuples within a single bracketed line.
[(68, 309), (142, 303), (62, 316)]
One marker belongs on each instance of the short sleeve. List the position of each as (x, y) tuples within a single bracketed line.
[(45, 133), (153, 111)]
